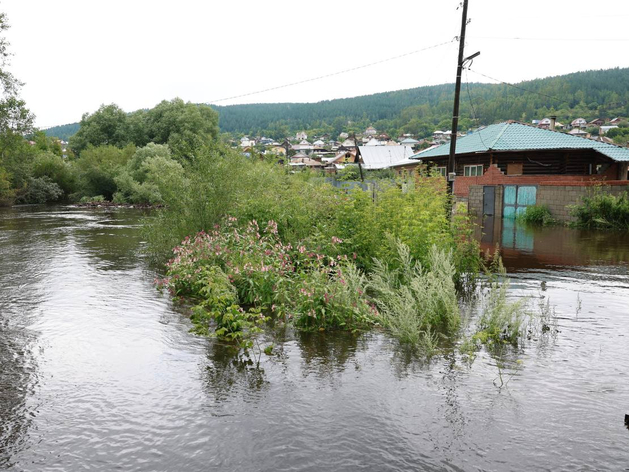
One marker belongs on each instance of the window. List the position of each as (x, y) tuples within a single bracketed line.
[(473, 171), (514, 168), (441, 171)]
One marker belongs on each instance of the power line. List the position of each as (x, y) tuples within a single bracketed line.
[(515, 86), (570, 40), (312, 79), (474, 115)]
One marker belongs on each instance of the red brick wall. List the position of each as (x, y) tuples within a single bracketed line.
[(493, 176)]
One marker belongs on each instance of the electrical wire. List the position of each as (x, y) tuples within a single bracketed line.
[(474, 115), (312, 79), (570, 40), (515, 86)]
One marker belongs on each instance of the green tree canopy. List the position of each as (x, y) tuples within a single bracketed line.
[(107, 126)]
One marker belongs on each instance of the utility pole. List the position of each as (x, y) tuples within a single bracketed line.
[(457, 95)]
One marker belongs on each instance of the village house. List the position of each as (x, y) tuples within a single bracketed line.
[(409, 142), (300, 136), (605, 129), (579, 123), (303, 145), (371, 131), (596, 122), (502, 168), (383, 157)]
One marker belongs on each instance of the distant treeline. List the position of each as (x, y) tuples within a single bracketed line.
[(421, 110)]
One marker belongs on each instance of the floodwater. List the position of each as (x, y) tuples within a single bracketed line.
[(99, 371)]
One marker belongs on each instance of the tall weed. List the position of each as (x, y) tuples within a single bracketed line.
[(416, 302)]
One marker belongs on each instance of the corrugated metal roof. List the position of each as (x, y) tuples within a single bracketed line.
[(383, 157), (513, 136)]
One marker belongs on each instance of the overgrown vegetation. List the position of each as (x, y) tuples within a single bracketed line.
[(298, 250), (603, 210), (537, 215)]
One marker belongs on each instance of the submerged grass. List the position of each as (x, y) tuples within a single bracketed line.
[(417, 303)]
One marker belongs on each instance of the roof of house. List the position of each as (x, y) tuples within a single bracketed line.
[(515, 136), (409, 141), (383, 157)]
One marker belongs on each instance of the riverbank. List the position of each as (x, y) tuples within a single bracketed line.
[(106, 204)]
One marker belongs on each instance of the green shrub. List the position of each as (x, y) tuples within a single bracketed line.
[(6, 192), (603, 210), (313, 290), (98, 168), (57, 170), (537, 215), (331, 298), (350, 172), (40, 190)]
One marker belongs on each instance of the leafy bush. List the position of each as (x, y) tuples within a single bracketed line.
[(60, 172), (6, 192), (603, 210), (40, 190), (348, 173), (415, 213), (98, 168), (314, 290), (537, 215), (330, 297)]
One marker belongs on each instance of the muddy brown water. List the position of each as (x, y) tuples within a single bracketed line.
[(98, 371)]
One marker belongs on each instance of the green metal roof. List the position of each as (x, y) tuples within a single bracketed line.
[(514, 136)]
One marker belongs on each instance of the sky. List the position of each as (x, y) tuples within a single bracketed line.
[(75, 55)]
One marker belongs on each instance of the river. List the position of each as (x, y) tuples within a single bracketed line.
[(99, 371)]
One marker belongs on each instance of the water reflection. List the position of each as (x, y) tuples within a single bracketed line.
[(524, 247), (327, 354), (230, 374)]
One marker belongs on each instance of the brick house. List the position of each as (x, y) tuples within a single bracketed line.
[(512, 165)]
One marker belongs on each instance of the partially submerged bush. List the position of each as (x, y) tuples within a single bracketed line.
[(537, 215), (603, 210), (316, 291)]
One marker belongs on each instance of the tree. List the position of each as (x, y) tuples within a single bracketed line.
[(107, 126), (185, 127), (15, 121)]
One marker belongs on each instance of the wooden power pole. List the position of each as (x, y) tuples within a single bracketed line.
[(457, 95)]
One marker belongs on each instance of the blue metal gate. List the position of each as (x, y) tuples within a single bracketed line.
[(517, 198)]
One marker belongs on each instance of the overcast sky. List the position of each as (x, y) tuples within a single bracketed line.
[(75, 55)]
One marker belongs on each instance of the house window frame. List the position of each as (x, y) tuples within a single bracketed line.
[(442, 170), (467, 170)]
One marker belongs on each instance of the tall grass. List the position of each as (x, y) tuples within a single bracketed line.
[(416, 302)]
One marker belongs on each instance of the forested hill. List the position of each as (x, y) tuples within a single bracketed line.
[(419, 111), (591, 94), (63, 132)]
